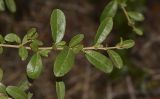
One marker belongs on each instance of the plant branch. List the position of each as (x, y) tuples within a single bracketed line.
[(50, 48)]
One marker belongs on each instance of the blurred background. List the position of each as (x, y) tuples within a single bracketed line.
[(138, 79)]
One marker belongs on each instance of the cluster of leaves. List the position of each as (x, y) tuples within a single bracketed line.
[(9, 4), (66, 58)]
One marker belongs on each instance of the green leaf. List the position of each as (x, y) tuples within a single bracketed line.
[(38, 42), (77, 48), (76, 40), (99, 60), (31, 32), (34, 67), (58, 25), (1, 74), (2, 39), (2, 6), (116, 58), (136, 16), (138, 31), (103, 30), (64, 62), (11, 5), (23, 53), (44, 52), (24, 85), (31, 35), (110, 10), (29, 96), (60, 90), (126, 44), (61, 43), (34, 47), (2, 88), (12, 38), (16, 92)]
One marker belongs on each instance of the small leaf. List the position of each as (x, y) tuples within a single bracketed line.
[(61, 43), (34, 45), (34, 67), (31, 32), (100, 61), (110, 10), (77, 48), (31, 35), (12, 38), (126, 44), (24, 85), (16, 92), (2, 39), (116, 58), (138, 31), (2, 88), (23, 53), (60, 90), (58, 25), (103, 30), (2, 6), (38, 42), (11, 5), (44, 52), (64, 62), (1, 74), (30, 95), (76, 40), (136, 16)]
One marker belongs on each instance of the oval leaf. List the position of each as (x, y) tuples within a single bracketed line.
[(24, 85), (44, 52), (103, 30), (58, 25), (2, 39), (2, 6), (136, 16), (31, 34), (77, 48), (138, 31), (76, 40), (12, 38), (110, 10), (23, 53), (126, 44), (2, 88), (30, 95), (60, 90), (11, 5), (116, 58), (100, 61), (16, 92), (64, 62), (34, 67)]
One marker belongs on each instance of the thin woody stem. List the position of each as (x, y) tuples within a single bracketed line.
[(50, 48), (127, 16)]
